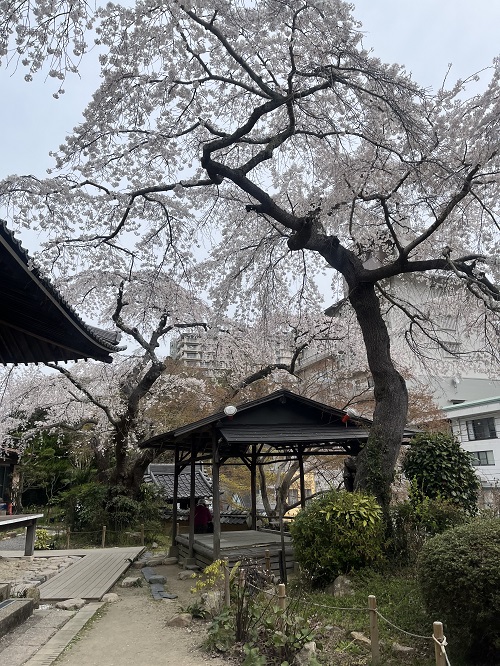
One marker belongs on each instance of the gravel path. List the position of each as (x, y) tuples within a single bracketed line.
[(17, 543)]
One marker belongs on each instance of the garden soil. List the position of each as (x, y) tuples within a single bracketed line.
[(134, 631)]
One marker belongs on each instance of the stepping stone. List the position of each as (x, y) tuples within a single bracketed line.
[(158, 592), (151, 576)]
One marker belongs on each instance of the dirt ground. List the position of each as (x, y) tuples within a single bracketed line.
[(133, 631)]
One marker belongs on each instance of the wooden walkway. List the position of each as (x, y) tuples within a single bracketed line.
[(91, 577)]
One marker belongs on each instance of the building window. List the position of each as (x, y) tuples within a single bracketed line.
[(293, 496), (481, 429), (480, 458), (308, 492)]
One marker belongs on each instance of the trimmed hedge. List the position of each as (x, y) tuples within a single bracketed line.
[(459, 575)]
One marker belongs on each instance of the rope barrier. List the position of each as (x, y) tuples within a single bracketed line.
[(408, 633), (442, 643), (342, 608)]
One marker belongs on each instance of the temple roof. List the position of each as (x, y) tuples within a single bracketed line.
[(163, 475), (36, 324)]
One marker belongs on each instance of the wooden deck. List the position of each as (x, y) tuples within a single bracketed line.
[(238, 545), (91, 577)]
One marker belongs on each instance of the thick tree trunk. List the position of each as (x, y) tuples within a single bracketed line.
[(376, 462)]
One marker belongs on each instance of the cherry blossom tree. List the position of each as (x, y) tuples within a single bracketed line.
[(263, 136), (112, 408)]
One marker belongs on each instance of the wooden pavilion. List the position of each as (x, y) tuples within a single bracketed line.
[(280, 427)]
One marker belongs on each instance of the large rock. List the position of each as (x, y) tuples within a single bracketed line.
[(402, 649), (181, 620), (170, 560), (155, 561), (213, 601), (110, 598), (131, 581), (306, 654), (184, 575), (341, 587), (71, 604), (358, 636)]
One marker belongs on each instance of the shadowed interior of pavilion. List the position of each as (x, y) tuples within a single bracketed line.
[(280, 427)]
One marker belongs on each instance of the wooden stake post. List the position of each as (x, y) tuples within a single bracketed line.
[(227, 590), (375, 647), (439, 635), (282, 596)]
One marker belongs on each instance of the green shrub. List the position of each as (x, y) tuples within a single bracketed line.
[(459, 575), (88, 507), (43, 540), (336, 533), (441, 468), (84, 506), (418, 519)]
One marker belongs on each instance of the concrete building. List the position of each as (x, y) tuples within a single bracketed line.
[(476, 424), (199, 351)]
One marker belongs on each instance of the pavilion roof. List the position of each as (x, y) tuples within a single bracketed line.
[(279, 425), (36, 324)]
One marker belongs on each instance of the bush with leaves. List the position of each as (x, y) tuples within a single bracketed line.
[(459, 575), (90, 506), (415, 521), (335, 533), (43, 540), (442, 469)]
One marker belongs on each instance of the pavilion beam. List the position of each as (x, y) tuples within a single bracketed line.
[(174, 550), (216, 495), (253, 487)]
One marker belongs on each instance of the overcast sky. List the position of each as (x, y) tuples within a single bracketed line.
[(424, 35)]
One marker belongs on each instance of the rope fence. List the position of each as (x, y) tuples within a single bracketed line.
[(438, 639), (104, 535)]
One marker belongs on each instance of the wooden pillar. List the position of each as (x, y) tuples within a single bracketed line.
[(192, 504), (215, 496), (301, 477), (253, 487), (29, 544), (174, 549)]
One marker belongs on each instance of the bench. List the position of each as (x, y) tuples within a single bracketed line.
[(7, 523)]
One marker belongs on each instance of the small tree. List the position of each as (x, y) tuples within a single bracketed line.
[(441, 468)]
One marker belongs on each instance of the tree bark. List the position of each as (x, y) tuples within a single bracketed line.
[(377, 460)]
